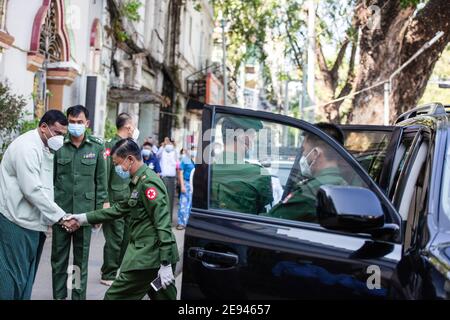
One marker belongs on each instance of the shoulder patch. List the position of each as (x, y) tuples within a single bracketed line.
[(106, 153), (151, 193), (97, 140)]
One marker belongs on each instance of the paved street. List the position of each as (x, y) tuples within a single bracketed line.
[(42, 289)]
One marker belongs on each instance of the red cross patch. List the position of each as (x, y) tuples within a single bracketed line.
[(107, 153), (151, 193)]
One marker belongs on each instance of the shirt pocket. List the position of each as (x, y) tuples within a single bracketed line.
[(87, 167), (64, 166), (119, 192)]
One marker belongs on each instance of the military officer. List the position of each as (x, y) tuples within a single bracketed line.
[(319, 165), (152, 249), (116, 232), (237, 185), (80, 186)]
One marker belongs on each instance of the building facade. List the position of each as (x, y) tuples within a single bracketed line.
[(112, 56)]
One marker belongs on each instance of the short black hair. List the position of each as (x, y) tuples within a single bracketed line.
[(146, 143), (122, 120), (127, 147), (53, 116), (332, 130), (76, 110)]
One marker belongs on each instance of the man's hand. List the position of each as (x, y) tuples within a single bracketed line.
[(183, 189), (106, 205), (166, 274), (69, 223)]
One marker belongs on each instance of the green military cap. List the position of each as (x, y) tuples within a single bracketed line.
[(238, 122)]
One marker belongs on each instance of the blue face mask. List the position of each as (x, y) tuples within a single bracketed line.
[(76, 130), (146, 153), (122, 173)]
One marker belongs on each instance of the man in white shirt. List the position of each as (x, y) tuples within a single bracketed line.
[(168, 163), (27, 208)]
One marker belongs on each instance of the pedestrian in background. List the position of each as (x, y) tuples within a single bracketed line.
[(150, 159), (184, 175), (116, 232), (168, 162), (80, 186), (27, 208)]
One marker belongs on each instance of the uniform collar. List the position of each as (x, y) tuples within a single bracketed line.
[(139, 173), (328, 171), (85, 139)]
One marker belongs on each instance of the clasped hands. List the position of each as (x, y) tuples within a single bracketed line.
[(70, 223)]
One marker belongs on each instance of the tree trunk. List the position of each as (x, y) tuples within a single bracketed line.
[(384, 49)]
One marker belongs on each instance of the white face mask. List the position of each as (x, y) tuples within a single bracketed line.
[(305, 167), (54, 142), (168, 148), (135, 134)]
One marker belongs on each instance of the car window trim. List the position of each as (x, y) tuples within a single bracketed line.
[(278, 222)]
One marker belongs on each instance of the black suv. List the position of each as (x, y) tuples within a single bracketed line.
[(383, 233)]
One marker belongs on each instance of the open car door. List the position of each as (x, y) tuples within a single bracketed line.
[(247, 239)]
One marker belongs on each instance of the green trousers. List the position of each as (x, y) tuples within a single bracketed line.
[(135, 284), (20, 252), (117, 235), (61, 241)]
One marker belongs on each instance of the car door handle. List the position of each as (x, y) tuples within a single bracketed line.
[(214, 259)]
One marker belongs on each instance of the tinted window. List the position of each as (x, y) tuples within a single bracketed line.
[(266, 168), (369, 149)]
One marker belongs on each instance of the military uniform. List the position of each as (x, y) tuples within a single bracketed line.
[(152, 242), (116, 232), (237, 186), (301, 203), (80, 186), (240, 187)]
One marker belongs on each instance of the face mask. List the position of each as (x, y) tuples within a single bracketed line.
[(135, 134), (54, 142), (146, 153), (305, 167), (76, 130), (122, 173), (169, 148), (193, 154)]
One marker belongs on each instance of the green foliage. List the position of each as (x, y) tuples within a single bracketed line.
[(130, 10), (28, 125), (110, 130), (198, 7), (122, 36), (441, 71), (11, 110), (410, 3)]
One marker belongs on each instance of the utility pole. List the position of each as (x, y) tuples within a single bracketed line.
[(308, 96), (224, 60)]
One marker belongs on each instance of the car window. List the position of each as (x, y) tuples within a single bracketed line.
[(401, 155), (369, 149), (266, 168)]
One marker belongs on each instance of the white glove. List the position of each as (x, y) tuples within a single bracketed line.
[(81, 218), (166, 275)]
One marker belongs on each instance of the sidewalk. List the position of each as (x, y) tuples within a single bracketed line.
[(42, 289)]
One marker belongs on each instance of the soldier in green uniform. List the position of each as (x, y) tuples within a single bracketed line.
[(80, 186), (116, 232), (237, 185), (152, 249), (319, 165)]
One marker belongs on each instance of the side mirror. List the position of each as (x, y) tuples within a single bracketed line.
[(347, 208)]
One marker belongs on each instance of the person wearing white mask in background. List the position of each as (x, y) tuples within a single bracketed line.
[(27, 207), (168, 163), (116, 232)]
